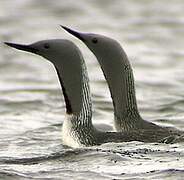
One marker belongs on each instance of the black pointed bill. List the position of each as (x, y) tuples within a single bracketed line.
[(74, 33), (22, 47)]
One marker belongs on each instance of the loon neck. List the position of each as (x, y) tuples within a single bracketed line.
[(119, 76), (126, 113), (84, 117), (84, 112)]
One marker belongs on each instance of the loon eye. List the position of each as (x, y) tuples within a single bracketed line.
[(46, 46), (94, 40)]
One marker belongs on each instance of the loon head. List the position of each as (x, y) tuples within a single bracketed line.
[(103, 47), (66, 58)]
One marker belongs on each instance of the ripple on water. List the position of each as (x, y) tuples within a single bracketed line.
[(107, 161)]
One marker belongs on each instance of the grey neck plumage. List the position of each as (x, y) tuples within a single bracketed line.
[(84, 117), (127, 115), (119, 76)]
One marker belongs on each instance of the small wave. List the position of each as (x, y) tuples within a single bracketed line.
[(158, 174), (11, 175), (39, 159)]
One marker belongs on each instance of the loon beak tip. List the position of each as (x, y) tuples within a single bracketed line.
[(74, 33)]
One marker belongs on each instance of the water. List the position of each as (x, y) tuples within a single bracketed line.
[(32, 107)]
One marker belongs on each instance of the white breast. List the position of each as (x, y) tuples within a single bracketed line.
[(68, 135)]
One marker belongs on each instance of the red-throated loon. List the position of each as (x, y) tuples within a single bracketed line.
[(118, 73)]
